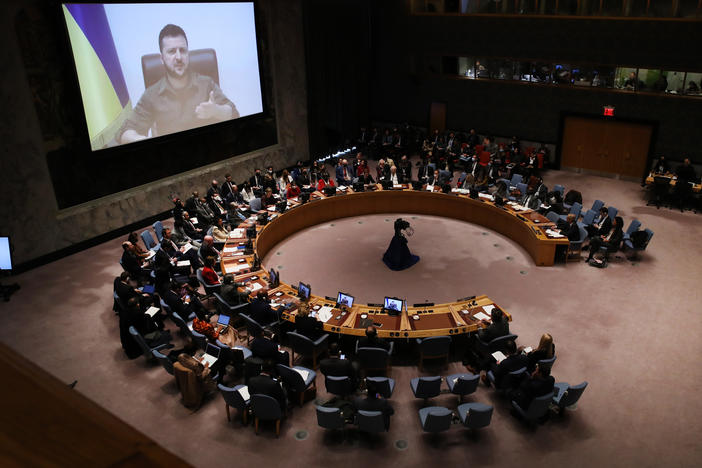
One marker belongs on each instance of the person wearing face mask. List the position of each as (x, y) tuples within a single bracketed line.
[(344, 174), (256, 180)]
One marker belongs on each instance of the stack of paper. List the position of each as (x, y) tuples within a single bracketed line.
[(255, 287), (244, 392), (552, 233), (488, 308), (183, 263), (486, 196), (186, 247), (430, 188), (229, 250), (325, 313), (193, 219), (238, 232), (481, 316), (498, 356), (151, 311), (271, 208)]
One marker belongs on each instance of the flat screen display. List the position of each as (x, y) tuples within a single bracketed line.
[(272, 276), (223, 320), (392, 303), (344, 299), (304, 291), (152, 69), (5, 258)]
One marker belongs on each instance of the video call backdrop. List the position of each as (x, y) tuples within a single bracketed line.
[(108, 41)]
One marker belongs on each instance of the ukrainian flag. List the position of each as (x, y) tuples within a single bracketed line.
[(102, 85)]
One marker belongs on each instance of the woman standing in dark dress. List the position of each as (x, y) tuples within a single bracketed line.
[(398, 256)]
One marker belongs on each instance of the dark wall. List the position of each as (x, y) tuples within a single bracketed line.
[(339, 56), (405, 85)]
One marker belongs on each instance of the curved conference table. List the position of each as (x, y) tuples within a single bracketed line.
[(526, 227)]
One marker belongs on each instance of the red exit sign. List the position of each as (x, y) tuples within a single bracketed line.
[(608, 111)]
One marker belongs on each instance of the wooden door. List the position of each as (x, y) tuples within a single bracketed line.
[(437, 116), (607, 146)]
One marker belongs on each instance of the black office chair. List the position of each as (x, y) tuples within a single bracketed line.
[(202, 61)]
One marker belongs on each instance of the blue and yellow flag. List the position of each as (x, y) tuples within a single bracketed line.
[(102, 85)]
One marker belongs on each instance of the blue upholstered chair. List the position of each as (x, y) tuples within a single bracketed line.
[(233, 398), (266, 408), (576, 247), (255, 205), (296, 383), (426, 387), (158, 229), (546, 364), (509, 381), (374, 359), (163, 360), (475, 415), (435, 419), (433, 347), (148, 240), (370, 421), (329, 418), (305, 346), (575, 209), (516, 179), (630, 246), (462, 384), (537, 410), (199, 339), (634, 225), (145, 348), (559, 188), (567, 396), (588, 218), (382, 385), (612, 212), (338, 385), (553, 216)]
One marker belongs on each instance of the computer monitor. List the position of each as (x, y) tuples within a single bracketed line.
[(304, 291), (393, 304), (5, 257), (344, 299)]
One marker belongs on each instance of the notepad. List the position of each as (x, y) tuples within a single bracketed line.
[(481, 316), (193, 220), (255, 287), (324, 313), (229, 249), (488, 308), (430, 188), (183, 263), (552, 233), (486, 196), (498, 356), (186, 247), (303, 373), (238, 232), (244, 392), (151, 311), (271, 208)]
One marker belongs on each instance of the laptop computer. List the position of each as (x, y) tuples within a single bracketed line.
[(223, 320), (211, 355)]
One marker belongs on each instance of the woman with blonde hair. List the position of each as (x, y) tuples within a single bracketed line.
[(545, 350)]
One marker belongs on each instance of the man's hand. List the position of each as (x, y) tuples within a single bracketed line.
[(130, 136), (211, 110)]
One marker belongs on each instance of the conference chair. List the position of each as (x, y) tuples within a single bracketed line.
[(559, 188), (433, 347), (266, 408), (475, 415), (633, 227), (628, 243), (255, 205), (426, 387), (374, 359), (546, 364), (236, 355), (537, 409), (340, 386), (612, 212), (145, 348), (382, 385), (330, 418), (435, 419), (232, 397), (199, 339), (117, 304), (178, 320), (370, 421), (163, 360), (305, 346), (252, 326), (587, 219), (516, 179), (509, 381), (553, 216), (596, 205), (209, 288), (223, 307), (462, 384), (522, 187), (497, 344), (574, 209), (576, 247), (158, 229), (461, 179), (149, 241), (298, 379), (567, 396)]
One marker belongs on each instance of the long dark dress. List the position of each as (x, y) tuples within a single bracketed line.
[(398, 256)]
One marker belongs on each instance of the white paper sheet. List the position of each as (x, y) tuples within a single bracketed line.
[(244, 392), (151, 311)]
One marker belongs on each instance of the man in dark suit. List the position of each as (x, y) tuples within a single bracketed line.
[(230, 291), (189, 228), (344, 173), (530, 200), (496, 327), (371, 340), (261, 310), (208, 249), (603, 226), (571, 229), (336, 367), (374, 403), (405, 169), (265, 384), (130, 262), (306, 325), (256, 180), (514, 361), (263, 347), (539, 384)]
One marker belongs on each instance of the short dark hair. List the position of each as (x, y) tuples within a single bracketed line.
[(268, 366), (371, 331), (170, 30), (333, 349), (511, 347)]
